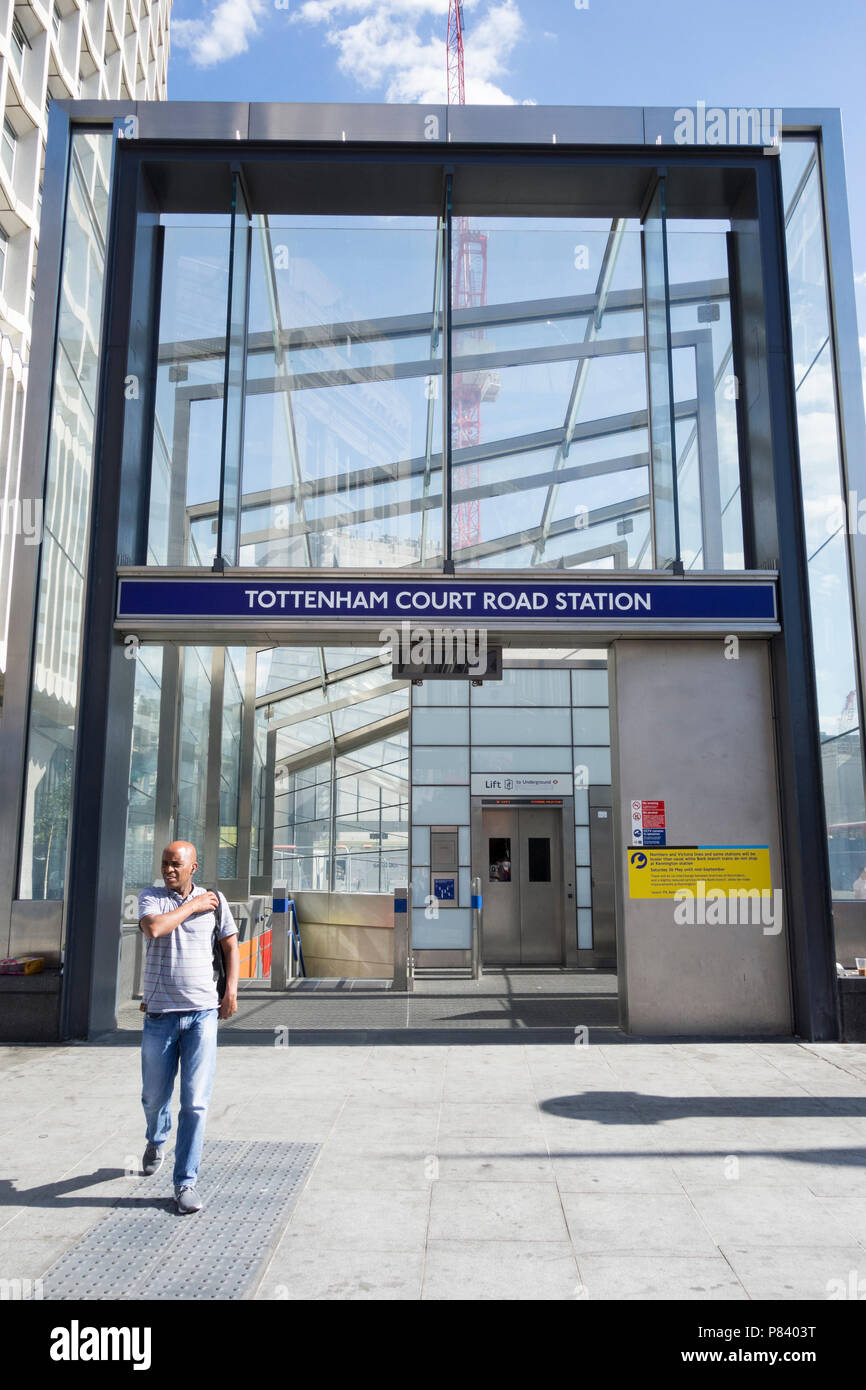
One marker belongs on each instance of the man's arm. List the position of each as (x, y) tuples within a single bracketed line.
[(232, 957), (156, 924)]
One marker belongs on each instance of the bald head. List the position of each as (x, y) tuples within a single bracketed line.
[(179, 863)]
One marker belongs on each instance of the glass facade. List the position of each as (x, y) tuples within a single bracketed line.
[(337, 730), (63, 561), (576, 347), (826, 515), (191, 358), (141, 846)]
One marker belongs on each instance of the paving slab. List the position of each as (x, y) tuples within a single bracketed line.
[(494, 1211), (631, 1277), (507, 1269), (800, 1272), (302, 1269), (602, 1222)]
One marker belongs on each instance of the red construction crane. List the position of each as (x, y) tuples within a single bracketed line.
[(456, 87), (468, 389)]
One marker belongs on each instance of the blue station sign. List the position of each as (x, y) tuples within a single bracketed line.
[(445, 601)]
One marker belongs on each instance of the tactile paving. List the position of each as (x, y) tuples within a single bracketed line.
[(143, 1249)]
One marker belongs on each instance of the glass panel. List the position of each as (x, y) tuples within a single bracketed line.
[(259, 815), (235, 378), (591, 726), (440, 766), (367, 788), (7, 154), (836, 670), (53, 709), (521, 759), (591, 766), (549, 394), (283, 667), (230, 761), (192, 768), (190, 382), (499, 859), (544, 726), (708, 466), (589, 687), (539, 859), (141, 817), (342, 439), (660, 377), (525, 688)]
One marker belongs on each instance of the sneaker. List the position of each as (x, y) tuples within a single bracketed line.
[(186, 1201), (152, 1161)]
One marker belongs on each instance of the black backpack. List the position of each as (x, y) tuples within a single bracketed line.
[(219, 963)]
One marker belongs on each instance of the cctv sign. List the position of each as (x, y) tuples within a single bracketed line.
[(648, 823)]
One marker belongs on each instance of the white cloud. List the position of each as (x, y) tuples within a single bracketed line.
[(398, 46), (224, 34), (863, 361), (861, 278)]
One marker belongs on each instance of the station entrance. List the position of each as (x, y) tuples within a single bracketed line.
[(311, 772), (303, 416)]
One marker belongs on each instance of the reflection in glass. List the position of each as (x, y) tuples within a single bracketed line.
[(827, 542), (141, 820), (56, 669), (342, 396), (187, 434), (230, 761), (539, 859), (235, 377), (659, 376), (192, 763), (705, 395), (499, 858), (341, 784), (549, 416), (343, 437)]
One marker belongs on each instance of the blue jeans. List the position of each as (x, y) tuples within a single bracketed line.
[(190, 1039)]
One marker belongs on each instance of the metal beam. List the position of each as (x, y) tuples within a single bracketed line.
[(423, 367), (386, 510), (425, 325), (287, 692), (346, 743), (517, 539), (357, 698)]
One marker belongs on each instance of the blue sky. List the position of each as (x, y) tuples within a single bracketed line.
[(607, 52)]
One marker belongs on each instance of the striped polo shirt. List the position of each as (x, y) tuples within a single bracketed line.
[(179, 973)]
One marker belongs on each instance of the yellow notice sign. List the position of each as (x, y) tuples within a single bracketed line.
[(662, 872)]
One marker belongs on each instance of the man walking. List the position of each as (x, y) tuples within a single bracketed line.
[(181, 1008)]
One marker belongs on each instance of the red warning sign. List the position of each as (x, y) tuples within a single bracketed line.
[(648, 822)]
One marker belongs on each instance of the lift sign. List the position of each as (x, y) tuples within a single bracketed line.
[(698, 869)]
